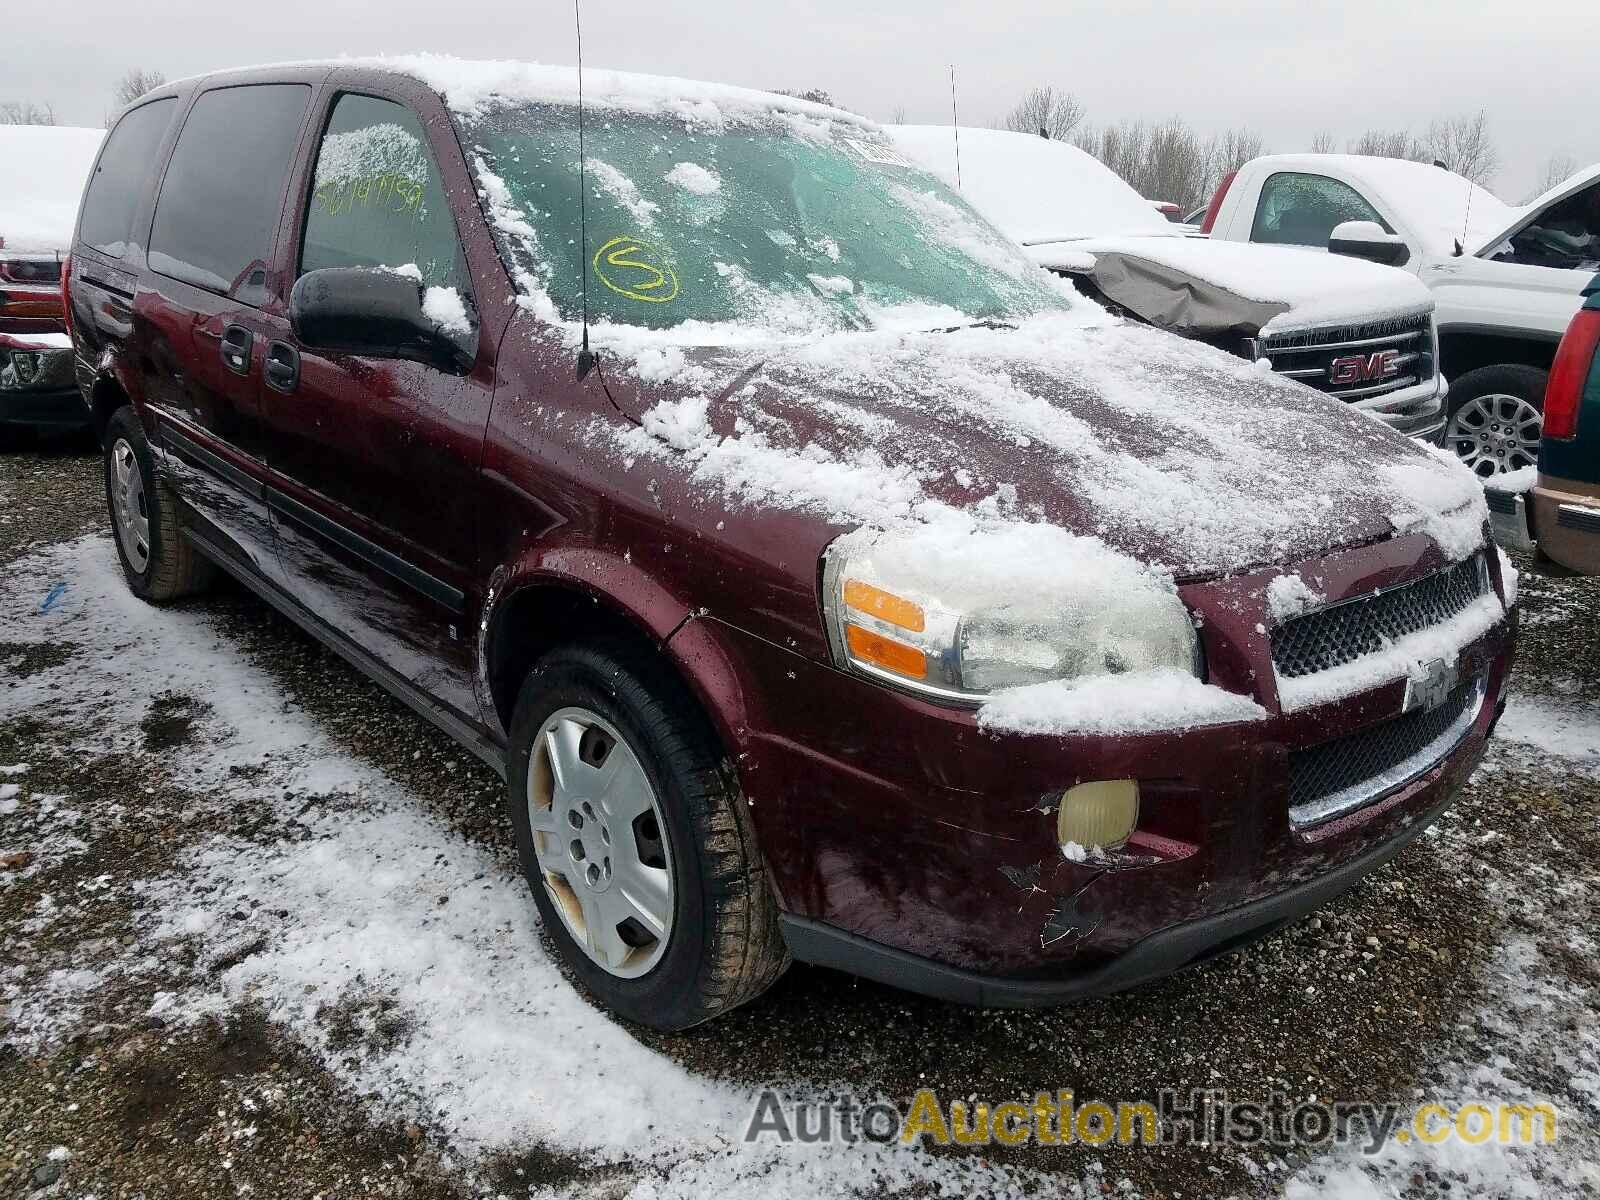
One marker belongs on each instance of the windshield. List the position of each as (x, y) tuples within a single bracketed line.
[(797, 225)]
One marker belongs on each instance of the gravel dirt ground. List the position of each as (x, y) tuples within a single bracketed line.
[(164, 1037)]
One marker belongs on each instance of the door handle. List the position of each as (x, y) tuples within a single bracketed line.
[(237, 342), (282, 371)]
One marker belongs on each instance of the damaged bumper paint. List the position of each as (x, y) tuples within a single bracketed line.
[(930, 860)]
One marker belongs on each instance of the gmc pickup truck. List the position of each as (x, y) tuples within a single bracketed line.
[(1357, 331), (1507, 280)]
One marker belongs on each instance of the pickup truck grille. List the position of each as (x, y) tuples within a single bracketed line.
[(1329, 637), (1355, 362)]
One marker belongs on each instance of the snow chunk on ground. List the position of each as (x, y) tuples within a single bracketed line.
[(445, 308), (692, 177), (1568, 730), (1137, 702), (1288, 596)]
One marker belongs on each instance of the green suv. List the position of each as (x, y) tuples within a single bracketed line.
[(1561, 512)]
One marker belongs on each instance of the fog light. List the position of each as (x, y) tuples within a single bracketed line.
[(26, 365), (1100, 814)]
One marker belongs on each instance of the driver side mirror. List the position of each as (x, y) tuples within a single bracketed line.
[(375, 313), (1367, 239)]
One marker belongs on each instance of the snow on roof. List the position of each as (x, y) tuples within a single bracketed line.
[(1319, 289), (1034, 189), (46, 167), (1430, 200), (472, 86)]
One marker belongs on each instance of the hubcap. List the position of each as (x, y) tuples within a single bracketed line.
[(1495, 433), (600, 841), (128, 505)]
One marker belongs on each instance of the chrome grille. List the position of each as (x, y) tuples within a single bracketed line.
[(1346, 773), (1329, 637), (1309, 355)]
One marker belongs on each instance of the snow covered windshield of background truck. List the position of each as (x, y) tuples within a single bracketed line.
[(793, 225)]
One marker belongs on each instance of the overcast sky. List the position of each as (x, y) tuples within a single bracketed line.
[(1285, 69)]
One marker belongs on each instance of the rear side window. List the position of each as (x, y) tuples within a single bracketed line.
[(218, 213), (377, 200), (1298, 209), (112, 197)]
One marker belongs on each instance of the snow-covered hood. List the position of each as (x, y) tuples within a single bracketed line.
[(46, 166), (1168, 451), (1199, 287)]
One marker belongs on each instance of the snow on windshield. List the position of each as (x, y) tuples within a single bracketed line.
[(781, 223)]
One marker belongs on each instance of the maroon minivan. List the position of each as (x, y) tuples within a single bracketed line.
[(826, 580)]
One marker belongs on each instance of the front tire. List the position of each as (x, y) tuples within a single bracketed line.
[(1496, 418), (157, 560), (633, 838)]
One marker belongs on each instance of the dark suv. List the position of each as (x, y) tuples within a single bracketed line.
[(824, 578)]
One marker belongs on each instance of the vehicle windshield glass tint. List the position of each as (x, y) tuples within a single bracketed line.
[(794, 224)]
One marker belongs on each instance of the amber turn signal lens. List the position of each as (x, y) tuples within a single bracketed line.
[(883, 652), (886, 606)]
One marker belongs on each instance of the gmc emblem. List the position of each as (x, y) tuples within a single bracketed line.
[(1364, 368)]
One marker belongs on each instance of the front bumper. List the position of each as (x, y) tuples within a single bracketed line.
[(1417, 411), (42, 394), (907, 845), (1160, 954)]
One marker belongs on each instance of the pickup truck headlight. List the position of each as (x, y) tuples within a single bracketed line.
[(957, 632)]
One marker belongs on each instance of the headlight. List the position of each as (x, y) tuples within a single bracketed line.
[(959, 617)]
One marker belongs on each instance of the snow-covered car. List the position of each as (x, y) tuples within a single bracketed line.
[(1357, 331), (45, 169), (826, 580), (1507, 280)]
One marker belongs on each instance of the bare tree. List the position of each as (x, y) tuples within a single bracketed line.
[(25, 112), (135, 84), (1047, 112), (1390, 143), (897, 115), (1556, 168), (1228, 152), (1463, 143), (1323, 143), (1168, 160)]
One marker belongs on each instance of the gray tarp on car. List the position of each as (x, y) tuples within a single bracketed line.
[(1177, 301)]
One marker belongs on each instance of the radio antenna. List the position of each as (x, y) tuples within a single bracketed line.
[(955, 123), (586, 357), (1466, 223)]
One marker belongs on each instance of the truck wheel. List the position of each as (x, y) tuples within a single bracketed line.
[(1496, 417), (633, 837), (157, 559)]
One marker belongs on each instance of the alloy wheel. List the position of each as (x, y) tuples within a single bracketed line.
[(600, 841), (1495, 433), (128, 506)]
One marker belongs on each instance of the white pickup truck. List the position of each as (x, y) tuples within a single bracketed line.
[(1357, 331), (1507, 280)]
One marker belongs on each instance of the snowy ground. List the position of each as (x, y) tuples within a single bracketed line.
[(261, 932)]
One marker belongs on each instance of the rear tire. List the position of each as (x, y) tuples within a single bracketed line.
[(722, 946), (159, 562), (1495, 418)]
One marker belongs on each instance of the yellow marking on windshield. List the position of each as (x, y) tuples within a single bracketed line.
[(641, 273)]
